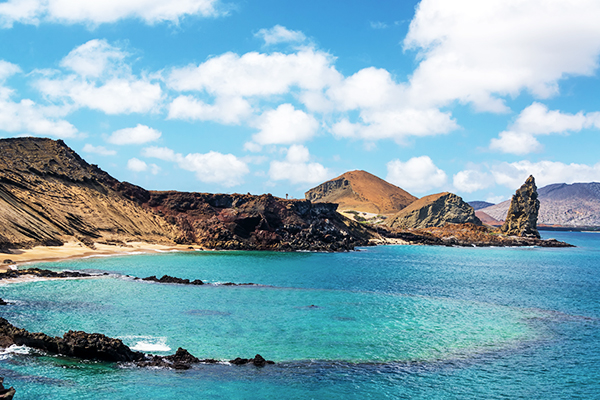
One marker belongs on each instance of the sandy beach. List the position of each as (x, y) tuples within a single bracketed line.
[(73, 250)]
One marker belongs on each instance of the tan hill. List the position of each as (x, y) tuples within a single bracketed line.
[(487, 219), (361, 191), (434, 211), (49, 195), (572, 205)]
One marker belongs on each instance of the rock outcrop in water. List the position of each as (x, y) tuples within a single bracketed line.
[(361, 191), (433, 211), (6, 394), (521, 219), (96, 346)]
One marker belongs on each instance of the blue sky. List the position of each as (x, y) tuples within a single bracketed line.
[(279, 96)]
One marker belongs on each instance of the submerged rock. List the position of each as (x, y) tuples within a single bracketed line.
[(258, 361), (173, 279), (521, 219), (6, 394)]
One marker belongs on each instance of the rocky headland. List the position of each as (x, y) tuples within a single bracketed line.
[(99, 347)]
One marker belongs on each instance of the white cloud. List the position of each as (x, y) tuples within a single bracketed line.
[(256, 74), (162, 153), (477, 51), (419, 174), (101, 150), (136, 165), (512, 175), (470, 180), (285, 125), (280, 34), (93, 58), (101, 81), (538, 120), (139, 135), (379, 25), (297, 167), (226, 110), (28, 117), (97, 12), (396, 124), (212, 167), (8, 69)]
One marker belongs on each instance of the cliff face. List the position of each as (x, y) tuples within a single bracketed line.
[(434, 211), (244, 222), (361, 191), (521, 219), (49, 195)]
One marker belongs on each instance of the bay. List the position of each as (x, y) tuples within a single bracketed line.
[(382, 322)]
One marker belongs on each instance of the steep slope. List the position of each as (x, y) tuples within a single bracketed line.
[(361, 191), (521, 219), (49, 195), (433, 211), (576, 204)]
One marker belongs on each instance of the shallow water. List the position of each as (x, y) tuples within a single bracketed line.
[(383, 322)]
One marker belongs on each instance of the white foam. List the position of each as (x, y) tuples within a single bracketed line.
[(14, 349), (147, 343)]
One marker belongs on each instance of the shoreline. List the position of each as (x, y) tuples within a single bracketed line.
[(75, 250)]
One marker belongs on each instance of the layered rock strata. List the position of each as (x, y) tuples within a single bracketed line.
[(433, 211), (361, 191), (521, 219)]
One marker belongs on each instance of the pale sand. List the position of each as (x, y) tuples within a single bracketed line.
[(73, 250)]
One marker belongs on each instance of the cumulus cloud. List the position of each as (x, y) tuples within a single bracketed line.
[(225, 110), (139, 135), (477, 51), (136, 165), (471, 180), (285, 125), (297, 167), (280, 34), (106, 11), (537, 120), (512, 175), (101, 81), (212, 167), (100, 150), (419, 174)]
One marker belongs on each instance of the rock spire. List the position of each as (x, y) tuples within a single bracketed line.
[(521, 219)]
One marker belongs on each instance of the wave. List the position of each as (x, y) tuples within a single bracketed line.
[(147, 343)]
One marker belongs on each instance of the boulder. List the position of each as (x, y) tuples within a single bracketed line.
[(434, 211), (521, 219)]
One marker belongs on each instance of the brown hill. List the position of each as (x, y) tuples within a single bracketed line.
[(49, 195), (361, 191), (433, 211)]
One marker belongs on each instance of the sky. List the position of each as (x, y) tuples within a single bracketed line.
[(271, 96)]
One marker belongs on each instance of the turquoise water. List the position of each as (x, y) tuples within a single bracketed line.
[(384, 322)]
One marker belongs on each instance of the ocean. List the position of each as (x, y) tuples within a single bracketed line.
[(387, 322)]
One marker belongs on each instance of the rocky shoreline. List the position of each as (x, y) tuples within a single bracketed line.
[(99, 347)]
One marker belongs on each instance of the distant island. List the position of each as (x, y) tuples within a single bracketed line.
[(50, 196)]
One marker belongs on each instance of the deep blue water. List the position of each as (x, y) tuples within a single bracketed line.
[(384, 322)]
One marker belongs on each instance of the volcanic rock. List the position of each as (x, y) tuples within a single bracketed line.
[(173, 279), (361, 191), (432, 211), (6, 394), (521, 219), (561, 204)]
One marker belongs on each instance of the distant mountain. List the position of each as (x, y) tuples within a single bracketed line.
[(576, 204), (361, 191), (478, 205)]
